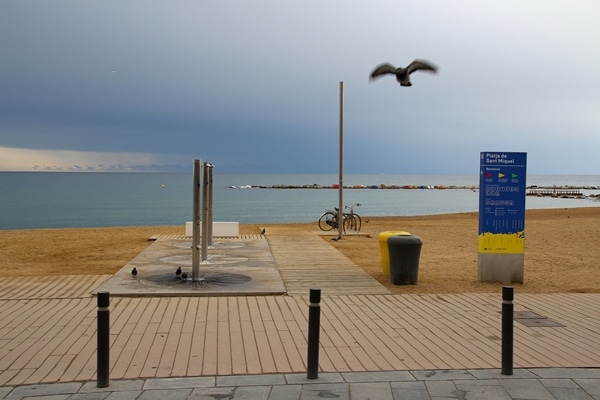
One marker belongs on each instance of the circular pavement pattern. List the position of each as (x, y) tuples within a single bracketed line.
[(211, 259), (217, 245), (207, 280)]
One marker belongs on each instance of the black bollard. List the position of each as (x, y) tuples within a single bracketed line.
[(508, 294), (314, 327), (103, 350)]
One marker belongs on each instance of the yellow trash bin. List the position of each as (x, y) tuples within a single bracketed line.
[(383, 247)]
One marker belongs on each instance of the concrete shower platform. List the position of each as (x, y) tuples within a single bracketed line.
[(234, 267)]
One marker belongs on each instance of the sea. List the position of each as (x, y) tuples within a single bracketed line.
[(39, 200)]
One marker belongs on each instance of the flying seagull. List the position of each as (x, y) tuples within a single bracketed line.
[(403, 74)]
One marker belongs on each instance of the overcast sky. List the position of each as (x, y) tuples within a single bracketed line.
[(253, 86)]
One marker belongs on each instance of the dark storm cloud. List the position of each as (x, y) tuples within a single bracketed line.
[(255, 87)]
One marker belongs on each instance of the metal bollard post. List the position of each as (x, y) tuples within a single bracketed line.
[(103, 350), (314, 327), (507, 329)]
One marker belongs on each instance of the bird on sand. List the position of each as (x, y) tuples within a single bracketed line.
[(134, 271), (184, 275), (403, 74), (178, 271)]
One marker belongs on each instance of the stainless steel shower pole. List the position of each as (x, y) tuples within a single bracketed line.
[(196, 224)]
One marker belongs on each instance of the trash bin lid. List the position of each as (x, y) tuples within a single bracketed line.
[(410, 240), (385, 235)]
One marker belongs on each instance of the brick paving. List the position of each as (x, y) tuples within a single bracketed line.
[(48, 337)]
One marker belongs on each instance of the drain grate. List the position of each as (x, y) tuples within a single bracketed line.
[(526, 315), (534, 320), (207, 280), (539, 323)]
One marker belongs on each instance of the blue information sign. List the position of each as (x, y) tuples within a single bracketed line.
[(502, 202)]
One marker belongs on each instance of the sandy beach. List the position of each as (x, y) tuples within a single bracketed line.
[(561, 251)]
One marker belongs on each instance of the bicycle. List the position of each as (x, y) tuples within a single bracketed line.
[(350, 221)]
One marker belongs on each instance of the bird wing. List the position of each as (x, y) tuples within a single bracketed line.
[(421, 65), (382, 70)]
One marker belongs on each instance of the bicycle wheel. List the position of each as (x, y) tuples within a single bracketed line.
[(357, 222), (350, 223), (328, 221)]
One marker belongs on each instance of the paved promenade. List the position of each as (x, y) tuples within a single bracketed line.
[(484, 384), (373, 345)]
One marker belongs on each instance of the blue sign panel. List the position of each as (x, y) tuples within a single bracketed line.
[(502, 202)]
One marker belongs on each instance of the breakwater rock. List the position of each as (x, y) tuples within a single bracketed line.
[(532, 188), (336, 186)]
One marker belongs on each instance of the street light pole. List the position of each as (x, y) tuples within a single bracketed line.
[(341, 166)]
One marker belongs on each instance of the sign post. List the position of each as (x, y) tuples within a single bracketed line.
[(501, 217)]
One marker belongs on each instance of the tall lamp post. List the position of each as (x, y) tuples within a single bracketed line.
[(341, 166)]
